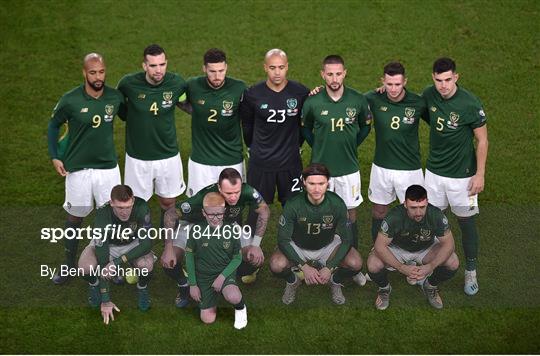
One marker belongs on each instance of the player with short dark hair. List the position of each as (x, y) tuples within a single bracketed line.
[(153, 161), (121, 222), (270, 112), (216, 135), (238, 196), (313, 237), (212, 256), (415, 239), (335, 122), (396, 165), (85, 155), (455, 169)]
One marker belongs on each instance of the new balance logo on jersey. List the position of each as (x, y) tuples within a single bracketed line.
[(84, 110), (324, 112), (383, 108), (264, 106)]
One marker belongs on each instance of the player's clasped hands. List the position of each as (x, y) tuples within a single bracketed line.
[(107, 311), (314, 276), (413, 271)]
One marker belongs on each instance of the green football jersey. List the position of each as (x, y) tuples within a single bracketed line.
[(396, 130), (216, 135), (211, 250), (312, 227), (335, 125), (90, 128), (452, 121), (149, 115), (191, 208), (410, 235), (138, 219)]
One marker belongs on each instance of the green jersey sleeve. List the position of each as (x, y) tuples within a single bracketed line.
[(284, 237)]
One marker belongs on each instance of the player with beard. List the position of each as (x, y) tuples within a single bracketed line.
[(86, 156), (335, 122), (216, 135), (153, 161)]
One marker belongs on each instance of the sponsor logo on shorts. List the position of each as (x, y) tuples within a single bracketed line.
[(281, 220)]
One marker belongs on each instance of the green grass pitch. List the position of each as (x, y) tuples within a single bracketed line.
[(496, 46)]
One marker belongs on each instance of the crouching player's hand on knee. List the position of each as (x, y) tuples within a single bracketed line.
[(195, 293), (218, 283)]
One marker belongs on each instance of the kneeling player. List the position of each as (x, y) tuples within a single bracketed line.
[(237, 196), (121, 222), (212, 257), (313, 236), (414, 233)]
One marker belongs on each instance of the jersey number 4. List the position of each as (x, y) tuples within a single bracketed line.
[(154, 108)]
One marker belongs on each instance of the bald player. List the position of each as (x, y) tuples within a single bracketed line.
[(270, 113), (85, 155)]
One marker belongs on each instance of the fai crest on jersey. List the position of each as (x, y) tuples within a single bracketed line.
[(292, 103), (133, 227), (292, 109), (409, 116), (167, 99), (453, 122), (234, 211), (328, 221), (351, 112), (226, 244), (109, 111), (227, 108), (425, 234)]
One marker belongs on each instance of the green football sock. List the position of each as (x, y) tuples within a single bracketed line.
[(375, 226), (245, 269), (341, 274), (441, 274), (176, 273), (144, 280), (91, 279), (287, 275), (240, 305), (469, 240), (380, 278), (71, 245)]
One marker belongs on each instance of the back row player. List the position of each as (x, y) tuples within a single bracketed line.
[(270, 112)]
